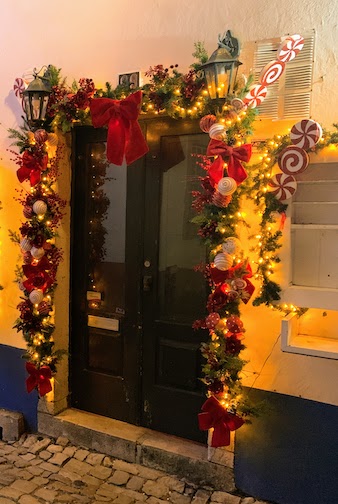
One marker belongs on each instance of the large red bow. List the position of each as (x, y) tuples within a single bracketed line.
[(219, 277), (38, 378), (38, 280), (124, 133), (234, 154), (214, 415), (31, 168)]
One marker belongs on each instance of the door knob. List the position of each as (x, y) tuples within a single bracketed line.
[(147, 283)]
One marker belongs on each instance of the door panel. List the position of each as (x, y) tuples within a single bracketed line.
[(105, 281), (172, 391)]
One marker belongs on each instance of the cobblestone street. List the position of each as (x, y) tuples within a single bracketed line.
[(38, 469)]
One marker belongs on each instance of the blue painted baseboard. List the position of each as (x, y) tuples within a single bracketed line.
[(13, 394), (290, 454)]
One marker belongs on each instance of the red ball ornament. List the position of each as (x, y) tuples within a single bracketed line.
[(27, 258), (234, 324), (40, 136), (212, 320), (27, 211), (206, 122), (44, 308)]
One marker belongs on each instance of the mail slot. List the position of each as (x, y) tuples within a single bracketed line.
[(110, 324)]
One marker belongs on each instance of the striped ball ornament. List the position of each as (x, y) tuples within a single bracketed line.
[(227, 186), (25, 245), (231, 245), (217, 131), (206, 122), (37, 253), (223, 261), (40, 207), (36, 296)]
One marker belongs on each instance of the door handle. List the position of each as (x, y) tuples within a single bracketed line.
[(147, 283)]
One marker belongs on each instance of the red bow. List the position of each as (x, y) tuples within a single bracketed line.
[(214, 415), (38, 280), (235, 155), (124, 133), (219, 277), (32, 269), (38, 378), (31, 168)]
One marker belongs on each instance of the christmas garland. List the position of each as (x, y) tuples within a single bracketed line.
[(219, 218), (38, 162)]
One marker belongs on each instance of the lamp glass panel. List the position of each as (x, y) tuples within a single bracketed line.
[(35, 106), (211, 80)]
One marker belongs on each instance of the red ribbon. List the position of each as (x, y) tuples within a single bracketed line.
[(38, 378), (124, 133), (38, 280), (234, 154), (32, 269), (31, 168), (214, 415), (219, 277)]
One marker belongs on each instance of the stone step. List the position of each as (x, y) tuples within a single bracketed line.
[(139, 445)]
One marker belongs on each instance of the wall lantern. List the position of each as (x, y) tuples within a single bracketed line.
[(221, 68), (35, 99)]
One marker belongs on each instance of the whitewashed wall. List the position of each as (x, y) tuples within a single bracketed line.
[(103, 38)]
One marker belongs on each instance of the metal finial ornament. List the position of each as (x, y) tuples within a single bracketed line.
[(229, 42)]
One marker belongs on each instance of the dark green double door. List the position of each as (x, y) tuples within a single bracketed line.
[(134, 292)]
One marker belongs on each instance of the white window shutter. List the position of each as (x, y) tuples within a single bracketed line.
[(290, 96)]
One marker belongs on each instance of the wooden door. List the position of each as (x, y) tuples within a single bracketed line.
[(135, 294), (174, 294), (105, 295)]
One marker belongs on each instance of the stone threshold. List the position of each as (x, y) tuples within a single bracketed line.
[(143, 446)]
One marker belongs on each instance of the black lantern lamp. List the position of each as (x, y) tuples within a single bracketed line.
[(35, 99), (221, 68)]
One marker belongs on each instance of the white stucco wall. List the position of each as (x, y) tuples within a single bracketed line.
[(103, 38)]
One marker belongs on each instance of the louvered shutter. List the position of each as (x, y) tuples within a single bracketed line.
[(289, 97)]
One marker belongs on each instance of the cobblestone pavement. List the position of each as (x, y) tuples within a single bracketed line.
[(38, 469)]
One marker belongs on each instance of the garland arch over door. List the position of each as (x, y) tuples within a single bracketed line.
[(134, 292)]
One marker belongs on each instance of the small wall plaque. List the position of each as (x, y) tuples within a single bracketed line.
[(93, 295)]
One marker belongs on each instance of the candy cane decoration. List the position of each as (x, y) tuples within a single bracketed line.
[(255, 96), (306, 134), (289, 48), (271, 72), (283, 186), (19, 87), (293, 160)]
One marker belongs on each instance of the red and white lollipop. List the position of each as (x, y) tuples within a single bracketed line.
[(290, 47), (19, 87), (306, 134), (283, 186), (293, 160), (271, 72), (256, 95)]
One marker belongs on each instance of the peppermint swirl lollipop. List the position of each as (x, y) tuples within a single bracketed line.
[(255, 96), (293, 160), (283, 186), (271, 72), (306, 134), (227, 186), (290, 47), (19, 87)]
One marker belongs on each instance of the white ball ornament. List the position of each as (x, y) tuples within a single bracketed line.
[(227, 186), (223, 261), (40, 207), (231, 245), (37, 253), (25, 245), (36, 296), (217, 131)]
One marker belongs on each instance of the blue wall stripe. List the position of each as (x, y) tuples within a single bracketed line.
[(289, 455), (13, 394)]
